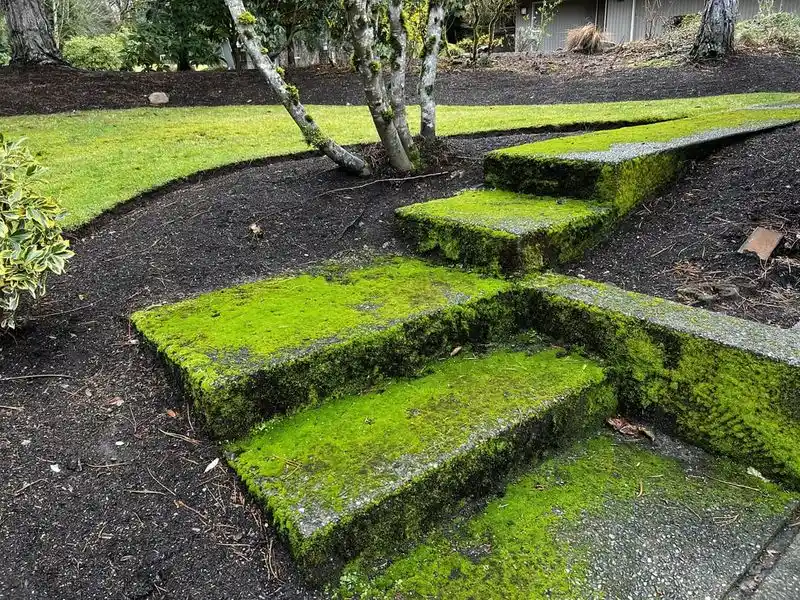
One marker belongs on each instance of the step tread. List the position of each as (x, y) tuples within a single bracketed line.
[(503, 230), (615, 145), (509, 212), (320, 467), (268, 346), (607, 518)]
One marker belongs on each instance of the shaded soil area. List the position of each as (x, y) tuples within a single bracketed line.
[(105, 489), (683, 245), (570, 78)]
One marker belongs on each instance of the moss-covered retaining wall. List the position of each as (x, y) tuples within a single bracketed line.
[(729, 385)]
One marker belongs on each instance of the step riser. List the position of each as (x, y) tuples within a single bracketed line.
[(412, 510), (728, 385), (497, 252)]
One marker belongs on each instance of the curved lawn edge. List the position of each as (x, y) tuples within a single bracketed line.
[(102, 158)]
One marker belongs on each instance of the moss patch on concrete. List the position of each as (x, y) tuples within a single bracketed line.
[(729, 385), (527, 544), (503, 231), (256, 349), (623, 166), (375, 469)]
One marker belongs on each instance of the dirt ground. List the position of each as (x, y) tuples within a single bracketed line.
[(683, 245), (109, 489), (535, 80)]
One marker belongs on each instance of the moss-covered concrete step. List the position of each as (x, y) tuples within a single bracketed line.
[(605, 519), (252, 350), (623, 166), (504, 231), (373, 470), (727, 384)]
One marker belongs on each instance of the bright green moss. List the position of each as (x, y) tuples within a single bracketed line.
[(375, 469), (729, 385), (270, 345), (528, 545), (657, 132), (617, 166), (500, 230)]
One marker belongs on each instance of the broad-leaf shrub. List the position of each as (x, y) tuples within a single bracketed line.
[(31, 244), (98, 53)]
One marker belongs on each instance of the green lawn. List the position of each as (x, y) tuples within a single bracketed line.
[(98, 159)]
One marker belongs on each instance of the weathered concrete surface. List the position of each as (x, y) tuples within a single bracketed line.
[(611, 519), (783, 582)]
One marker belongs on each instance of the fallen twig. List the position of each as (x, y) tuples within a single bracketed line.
[(3, 406), (63, 312), (181, 437), (107, 465), (353, 222), (737, 485), (39, 376), (155, 492), (388, 180), (26, 486), (159, 483)]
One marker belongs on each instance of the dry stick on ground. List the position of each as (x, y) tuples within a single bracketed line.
[(388, 180), (4, 407), (39, 376), (184, 438), (26, 486), (63, 312)]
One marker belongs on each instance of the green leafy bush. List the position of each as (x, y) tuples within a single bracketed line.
[(31, 244), (773, 31), (99, 53)]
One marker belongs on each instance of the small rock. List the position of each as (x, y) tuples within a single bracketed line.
[(158, 99)]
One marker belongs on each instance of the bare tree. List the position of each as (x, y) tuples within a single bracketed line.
[(289, 95), (427, 76), (715, 37), (30, 34), (384, 91), (360, 17)]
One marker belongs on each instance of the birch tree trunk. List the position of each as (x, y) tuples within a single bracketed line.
[(427, 76), (371, 71), (289, 95), (715, 37), (397, 83), (30, 35)]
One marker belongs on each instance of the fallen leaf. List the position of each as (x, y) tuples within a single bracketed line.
[(623, 426), (172, 414), (211, 465), (756, 473), (455, 351), (115, 401), (55, 468)]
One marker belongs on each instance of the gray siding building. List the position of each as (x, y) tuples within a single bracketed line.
[(622, 20)]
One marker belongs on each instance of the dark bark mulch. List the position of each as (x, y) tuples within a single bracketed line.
[(683, 245), (131, 514), (46, 91)]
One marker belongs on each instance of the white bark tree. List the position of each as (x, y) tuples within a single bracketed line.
[(30, 33), (715, 37), (288, 94), (384, 93), (370, 69), (428, 69)]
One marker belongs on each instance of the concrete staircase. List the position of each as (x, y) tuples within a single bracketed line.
[(422, 431)]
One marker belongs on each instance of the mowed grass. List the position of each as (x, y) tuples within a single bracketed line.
[(99, 159)]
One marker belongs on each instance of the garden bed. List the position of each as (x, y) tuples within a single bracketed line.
[(565, 78), (130, 501)]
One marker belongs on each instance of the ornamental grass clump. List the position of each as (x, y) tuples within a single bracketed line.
[(31, 244)]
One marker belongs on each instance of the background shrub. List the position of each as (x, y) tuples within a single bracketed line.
[(774, 31), (99, 53), (31, 244), (586, 40)]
